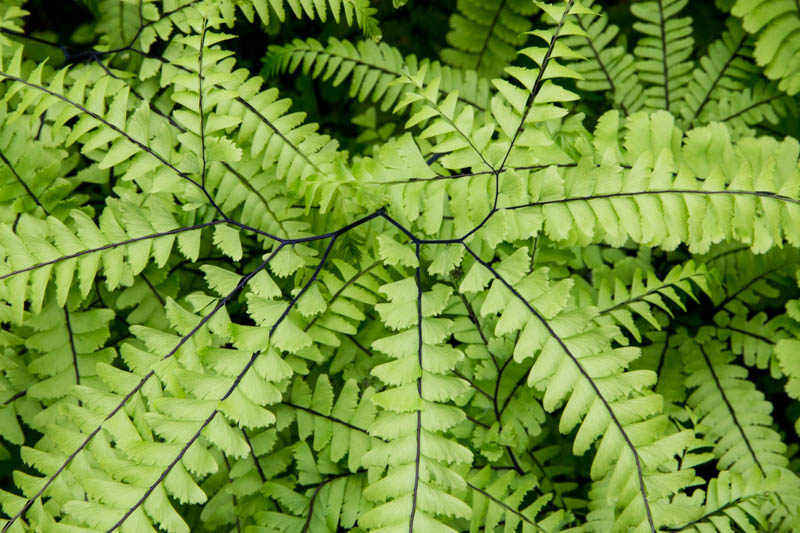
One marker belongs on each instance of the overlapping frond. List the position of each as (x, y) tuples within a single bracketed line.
[(352, 12), (776, 25), (579, 372), (376, 70), (726, 67), (736, 418), (648, 293), (663, 206), (606, 66), (664, 52), (485, 36)]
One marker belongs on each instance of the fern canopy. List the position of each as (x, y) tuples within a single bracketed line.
[(308, 266)]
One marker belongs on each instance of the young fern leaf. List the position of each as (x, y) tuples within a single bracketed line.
[(664, 52)]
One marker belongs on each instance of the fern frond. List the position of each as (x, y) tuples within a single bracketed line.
[(685, 201), (497, 499), (732, 500), (742, 110), (577, 368), (736, 419), (421, 485), (726, 67), (358, 12), (376, 70), (646, 295), (606, 66), (536, 102), (485, 36), (775, 25), (663, 54), (336, 424), (750, 283), (51, 245)]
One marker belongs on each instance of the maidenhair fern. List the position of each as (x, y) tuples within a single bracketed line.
[(541, 277)]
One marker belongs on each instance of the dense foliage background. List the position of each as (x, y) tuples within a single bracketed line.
[(340, 265)]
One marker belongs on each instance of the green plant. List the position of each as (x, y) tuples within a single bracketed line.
[(565, 298)]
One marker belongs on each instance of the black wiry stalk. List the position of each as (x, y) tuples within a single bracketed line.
[(762, 338), (258, 195), (233, 496), (153, 289), (110, 246), (323, 415), (317, 490), (254, 456), (418, 453), (15, 397), (751, 107), (134, 390), (72, 346), (473, 385), (585, 374), (644, 295), (230, 390), (461, 175), (731, 192), (279, 133)]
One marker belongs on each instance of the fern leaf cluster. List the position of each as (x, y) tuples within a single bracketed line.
[(534, 278)]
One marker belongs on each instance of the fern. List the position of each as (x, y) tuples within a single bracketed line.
[(506, 305)]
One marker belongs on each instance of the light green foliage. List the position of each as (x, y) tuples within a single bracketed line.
[(549, 285)]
